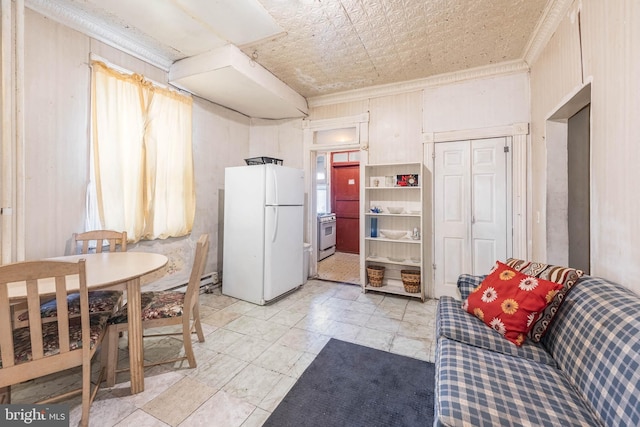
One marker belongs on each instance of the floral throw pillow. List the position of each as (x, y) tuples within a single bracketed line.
[(509, 301), (566, 276)]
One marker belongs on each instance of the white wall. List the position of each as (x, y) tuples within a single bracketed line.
[(598, 42), (477, 104), (57, 109)]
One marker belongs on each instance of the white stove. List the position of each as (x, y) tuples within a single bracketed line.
[(326, 235)]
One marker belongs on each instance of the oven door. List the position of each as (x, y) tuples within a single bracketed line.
[(326, 235)]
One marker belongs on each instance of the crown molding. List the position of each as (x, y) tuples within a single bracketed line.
[(83, 22), (503, 68), (553, 15)]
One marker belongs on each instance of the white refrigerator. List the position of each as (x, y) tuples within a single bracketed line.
[(263, 232)]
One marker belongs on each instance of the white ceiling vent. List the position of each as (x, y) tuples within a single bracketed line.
[(230, 78)]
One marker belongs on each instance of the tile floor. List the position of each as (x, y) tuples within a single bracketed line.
[(251, 357), (340, 267)]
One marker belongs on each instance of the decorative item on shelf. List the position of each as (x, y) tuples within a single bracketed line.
[(416, 233), (411, 280), (376, 209), (376, 181), (374, 227), (375, 273), (395, 209), (393, 234), (410, 180), (389, 181)]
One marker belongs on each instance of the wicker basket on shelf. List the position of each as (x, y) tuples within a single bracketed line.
[(375, 273), (411, 280)]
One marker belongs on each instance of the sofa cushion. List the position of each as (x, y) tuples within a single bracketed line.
[(566, 276), (456, 324), (509, 301), (595, 340), (476, 387), (467, 283)]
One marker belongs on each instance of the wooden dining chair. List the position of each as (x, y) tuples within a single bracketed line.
[(164, 308), (42, 348), (94, 241), (102, 301)]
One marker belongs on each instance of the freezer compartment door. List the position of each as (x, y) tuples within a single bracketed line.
[(284, 247), (284, 186)]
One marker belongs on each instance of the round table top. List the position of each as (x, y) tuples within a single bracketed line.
[(103, 270)]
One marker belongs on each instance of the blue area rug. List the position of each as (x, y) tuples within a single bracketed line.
[(349, 385)]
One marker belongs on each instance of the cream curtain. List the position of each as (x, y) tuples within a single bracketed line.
[(143, 163)]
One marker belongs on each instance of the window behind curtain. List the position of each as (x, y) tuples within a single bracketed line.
[(142, 162)]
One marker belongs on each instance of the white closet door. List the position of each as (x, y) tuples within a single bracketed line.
[(452, 201), (471, 207)]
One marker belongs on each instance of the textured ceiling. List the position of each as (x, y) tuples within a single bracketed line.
[(337, 45), (329, 46)]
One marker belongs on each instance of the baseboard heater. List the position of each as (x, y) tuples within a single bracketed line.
[(208, 281)]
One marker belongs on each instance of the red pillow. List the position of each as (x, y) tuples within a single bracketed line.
[(510, 302)]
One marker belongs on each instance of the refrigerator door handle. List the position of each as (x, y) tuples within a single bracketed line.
[(275, 187), (275, 224)]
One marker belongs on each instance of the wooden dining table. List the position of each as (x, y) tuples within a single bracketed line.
[(113, 270)]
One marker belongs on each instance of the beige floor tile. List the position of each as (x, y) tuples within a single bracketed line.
[(257, 418), (252, 384), (416, 348), (222, 409), (173, 411), (303, 340), (221, 339), (279, 358), (219, 370), (412, 330), (301, 365), (264, 312), (277, 393), (343, 331), (287, 317), (221, 317), (382, 324), (139, 419), (353, 317), (375, 339), (248, 348)]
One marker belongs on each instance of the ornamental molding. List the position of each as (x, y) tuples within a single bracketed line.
[(503, 68), (553, 15)]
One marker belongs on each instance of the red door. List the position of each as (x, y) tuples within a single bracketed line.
[(345, 190)]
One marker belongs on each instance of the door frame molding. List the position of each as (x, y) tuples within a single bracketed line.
[(311, 149), (520, 177)]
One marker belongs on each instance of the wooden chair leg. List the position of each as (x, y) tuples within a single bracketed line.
[(110, 358), (197, 324), (5, 395)]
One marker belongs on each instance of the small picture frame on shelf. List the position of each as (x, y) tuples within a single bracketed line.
[(376, 181), (408, 180)]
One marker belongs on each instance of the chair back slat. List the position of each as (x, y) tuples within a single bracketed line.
[(35, 328), (6, 335), (63, 313), (116, 239)]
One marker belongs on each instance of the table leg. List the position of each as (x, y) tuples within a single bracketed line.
[(136, 346)]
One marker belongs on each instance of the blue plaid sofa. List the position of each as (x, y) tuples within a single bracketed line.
[(584, 372)]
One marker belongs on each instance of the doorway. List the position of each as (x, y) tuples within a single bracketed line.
[(578, 175), (338, 192), (345, 196), (568, 205)]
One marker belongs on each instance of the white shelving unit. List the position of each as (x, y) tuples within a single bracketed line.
[(407, 252)]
